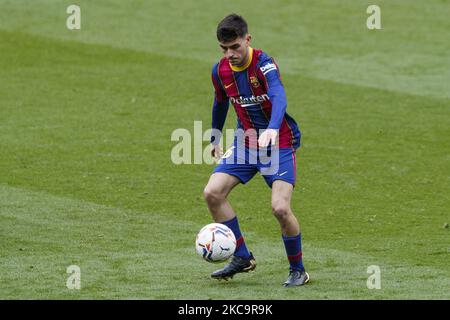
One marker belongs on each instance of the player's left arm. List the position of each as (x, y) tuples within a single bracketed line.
[(269, 73)]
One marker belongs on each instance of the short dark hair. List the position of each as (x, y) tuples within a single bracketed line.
[(231, 27)]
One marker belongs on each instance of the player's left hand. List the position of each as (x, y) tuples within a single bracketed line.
[(268, 136)]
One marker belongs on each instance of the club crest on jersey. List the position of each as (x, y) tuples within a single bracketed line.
[(254, 81)]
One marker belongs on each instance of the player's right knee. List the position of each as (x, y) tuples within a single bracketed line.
[(212, 195)]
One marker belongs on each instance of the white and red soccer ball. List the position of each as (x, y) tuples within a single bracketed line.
[(215, 242)]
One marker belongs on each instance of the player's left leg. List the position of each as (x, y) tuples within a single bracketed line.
[(281, 208), (290, 229)]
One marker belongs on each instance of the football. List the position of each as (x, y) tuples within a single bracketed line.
[(215, 242)]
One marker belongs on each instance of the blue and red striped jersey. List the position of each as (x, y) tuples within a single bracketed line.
[(258, 97)]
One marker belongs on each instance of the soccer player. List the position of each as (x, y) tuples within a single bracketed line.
[(250, 80)]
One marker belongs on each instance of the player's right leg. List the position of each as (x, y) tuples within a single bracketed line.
[(216, 191)]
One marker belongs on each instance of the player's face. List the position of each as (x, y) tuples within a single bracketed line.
[(236, 51)]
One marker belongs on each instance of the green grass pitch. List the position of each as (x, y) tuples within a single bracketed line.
[(86, 176)]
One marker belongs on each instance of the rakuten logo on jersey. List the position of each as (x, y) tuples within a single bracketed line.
[(249, 101), (268, 67)]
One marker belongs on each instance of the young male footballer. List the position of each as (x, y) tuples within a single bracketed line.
[(250, 80)]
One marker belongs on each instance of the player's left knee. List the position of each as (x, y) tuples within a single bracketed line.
[(281, 210)]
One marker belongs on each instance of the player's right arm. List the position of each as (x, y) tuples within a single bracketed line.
[(219, 113)]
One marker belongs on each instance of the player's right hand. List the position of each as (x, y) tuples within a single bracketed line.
[(216, 151)]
